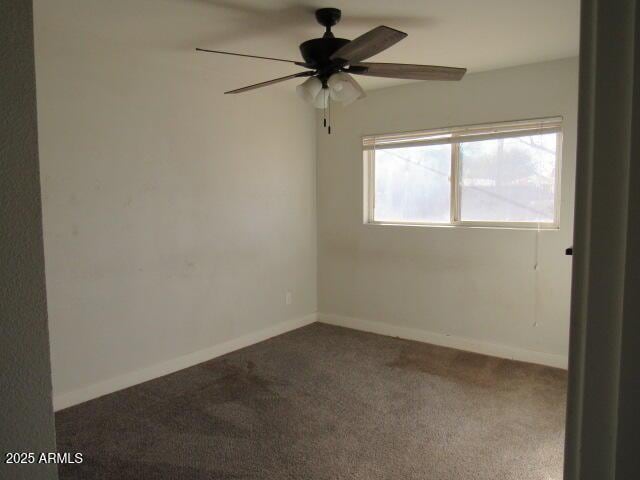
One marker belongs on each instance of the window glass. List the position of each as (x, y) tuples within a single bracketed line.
[(412, 184), (501, 174), (508, 179)]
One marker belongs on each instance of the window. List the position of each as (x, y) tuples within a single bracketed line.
[(502, 175)]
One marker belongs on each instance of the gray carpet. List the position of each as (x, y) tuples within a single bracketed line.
[(325, 402)]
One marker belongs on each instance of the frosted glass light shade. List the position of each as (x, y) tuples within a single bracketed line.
[(309, 90), (344, 89), (322, 99)]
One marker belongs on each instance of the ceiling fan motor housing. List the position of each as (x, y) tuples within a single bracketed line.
[(317, 51)]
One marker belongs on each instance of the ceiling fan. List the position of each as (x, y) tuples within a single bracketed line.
[(331, 61)]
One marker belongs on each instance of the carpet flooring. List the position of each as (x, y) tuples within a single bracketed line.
[(324, 402)]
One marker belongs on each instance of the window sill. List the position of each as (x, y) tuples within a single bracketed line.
[(474, 225)]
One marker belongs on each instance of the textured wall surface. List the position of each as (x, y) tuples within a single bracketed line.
[(176, 218), (477, 284), (26, 417)]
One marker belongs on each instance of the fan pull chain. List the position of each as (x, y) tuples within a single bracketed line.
[(324, 106)]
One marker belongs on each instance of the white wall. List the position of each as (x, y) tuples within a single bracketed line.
[(474, 288), (175, 218)]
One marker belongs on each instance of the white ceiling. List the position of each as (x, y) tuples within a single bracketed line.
[(477, 34)]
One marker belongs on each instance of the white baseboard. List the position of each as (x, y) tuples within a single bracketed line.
[(95, 390), (477, 346)]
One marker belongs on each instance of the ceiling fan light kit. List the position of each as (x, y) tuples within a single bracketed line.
[(331, 61), (341, 87)]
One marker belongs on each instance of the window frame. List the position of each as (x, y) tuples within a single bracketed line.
[(494, 130)]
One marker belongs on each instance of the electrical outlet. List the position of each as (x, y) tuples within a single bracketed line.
[(288, 298)]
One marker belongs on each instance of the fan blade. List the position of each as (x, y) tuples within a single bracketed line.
[(302, 64), (367, 45), (271, 82), (407, 71)]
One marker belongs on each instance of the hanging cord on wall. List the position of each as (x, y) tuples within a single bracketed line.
[(536, 265)]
